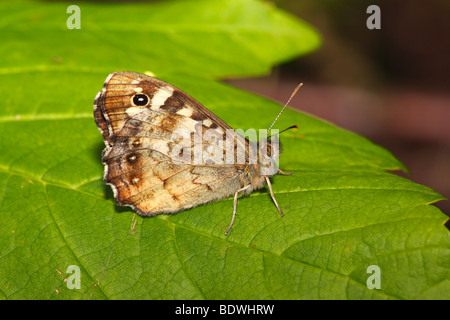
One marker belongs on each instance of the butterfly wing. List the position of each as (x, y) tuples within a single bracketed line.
[(139, 117)]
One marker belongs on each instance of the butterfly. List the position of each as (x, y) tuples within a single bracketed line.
[(154, 134)]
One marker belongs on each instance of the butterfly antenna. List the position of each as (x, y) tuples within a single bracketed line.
[(291, 127), (290, 98)]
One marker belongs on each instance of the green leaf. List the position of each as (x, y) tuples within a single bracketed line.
[(343, 212), (195, 37)]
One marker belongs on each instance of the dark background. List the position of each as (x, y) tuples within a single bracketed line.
[(389, 85)]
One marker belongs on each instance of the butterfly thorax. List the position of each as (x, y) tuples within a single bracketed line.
[(256, 179)]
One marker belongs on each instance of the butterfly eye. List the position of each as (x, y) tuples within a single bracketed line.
[(140, 100)]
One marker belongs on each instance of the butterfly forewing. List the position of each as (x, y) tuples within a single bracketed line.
[(140, 117)]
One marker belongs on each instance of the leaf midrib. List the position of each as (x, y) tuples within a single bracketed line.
[(254, 194)]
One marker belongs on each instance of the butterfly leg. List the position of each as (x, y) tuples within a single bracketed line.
[(235, 207), (273, 197)]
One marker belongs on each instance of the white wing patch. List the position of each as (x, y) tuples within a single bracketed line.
[(133, 110), (187, 112), (161, 96)]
